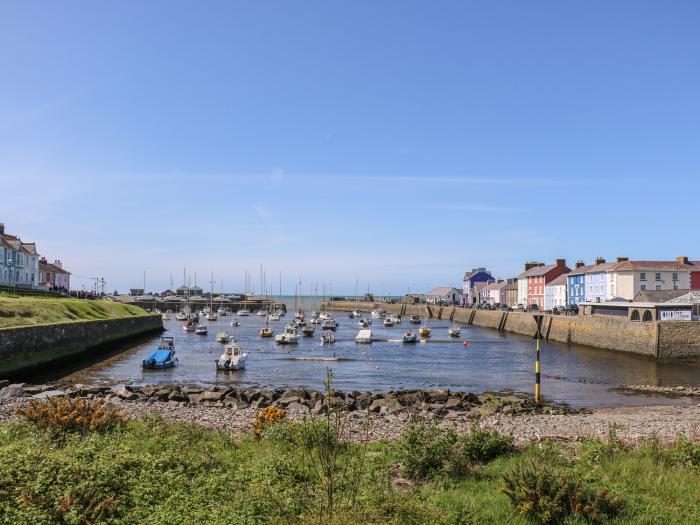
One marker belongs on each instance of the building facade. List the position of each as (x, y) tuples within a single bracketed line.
[(538, 277), (470, 293), (53, 277), (555, 293), (19, 261), (444, 295)]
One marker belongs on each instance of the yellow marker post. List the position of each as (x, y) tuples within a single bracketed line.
[(538, 336)]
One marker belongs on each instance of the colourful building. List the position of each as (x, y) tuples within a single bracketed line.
[(470, 290), (538, 277)]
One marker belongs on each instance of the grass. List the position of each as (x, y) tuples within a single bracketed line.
[(153, 472), (31, 311)]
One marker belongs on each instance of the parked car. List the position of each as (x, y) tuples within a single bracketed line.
[(519, 307), (571, 309), (533, 308)]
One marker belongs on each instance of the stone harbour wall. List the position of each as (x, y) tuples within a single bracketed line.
[(664, 340), (28, 347)]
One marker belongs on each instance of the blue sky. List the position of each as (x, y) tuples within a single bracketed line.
[(397, 142)]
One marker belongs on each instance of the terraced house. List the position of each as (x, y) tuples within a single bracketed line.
[(536, 277), (19, 261)]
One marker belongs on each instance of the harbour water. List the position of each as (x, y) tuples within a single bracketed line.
[(579, 376)]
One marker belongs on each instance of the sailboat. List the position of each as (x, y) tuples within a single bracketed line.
[(455, 330), (424, 330), (211, 315), (356, 312)]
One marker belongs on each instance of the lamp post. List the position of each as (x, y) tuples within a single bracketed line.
[(10, 263)]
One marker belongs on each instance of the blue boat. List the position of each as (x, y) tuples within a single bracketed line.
[(163, 357)]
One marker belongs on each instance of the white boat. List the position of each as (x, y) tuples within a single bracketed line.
[(364, 336), (357, 313), (388, 323), (290, 336), (396, 319), (308, 331), (329, 324), (274, 316), (211, 316), (221, 312), (324, 315), (243, 312), (233, 358), (364, 323), (415, 319), (454, 331), (235, 322), (315, 320), (327, 338), (424, 331), (181, 316), (261, 313), (410, 337), (189, 326), (223, 337), (379, 313), (201, 330)]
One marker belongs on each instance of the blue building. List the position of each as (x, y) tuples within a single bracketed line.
[(576, 284), (470, 294)]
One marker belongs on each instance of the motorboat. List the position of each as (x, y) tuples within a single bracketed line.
[(415, 319), (410, 337), (190, 325), (181, 316), (388, 322), (351, 315), (364, 336), (364, 323), (454, 331), (223, 337), (274, 316), (308, 331), (221, 312), (235, 322), (300, 322), (324, 315), (356, 312), (211, 316), (266, 332), (233, 358), (315, 320), (261, 313), (378, 313), (424, 331), (159, 359), (329, 324), (327, 338), (243, 312), (396, 319), (290, 336), (201, 330)]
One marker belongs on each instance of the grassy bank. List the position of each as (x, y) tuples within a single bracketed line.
[(151, 472), (30, 311)]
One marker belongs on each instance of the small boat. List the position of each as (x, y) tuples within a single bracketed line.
[(274, 316), (415, 319), (364, 336), (454, 331), (364, 323), (308, 331), (261, 313), (356, 312), (379, 313), (351, 315), (290, 336), (235, 322), (159, 359), (424, 331), (211, 316), (233, 358), (190, 326), (181, 316), (266, 332), (300, 322), (243, 312), (388, 322), (329, 324), (396, 319), (201, 330), (327, 338), (410, 337), (165, 317), (221, 312), (223, 337), (315, 320), (323, 316)]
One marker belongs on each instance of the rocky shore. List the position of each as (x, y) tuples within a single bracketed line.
[(234, 410), (668, 391)]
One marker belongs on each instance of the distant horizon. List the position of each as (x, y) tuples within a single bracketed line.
[(398, 144)]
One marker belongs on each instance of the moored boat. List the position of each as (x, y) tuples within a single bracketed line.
[(290, 336), (388, 322), (410, 337), (223, 337), (233, 358), (364, 336), (201, 330), (190, 325), (329, 324), (454, 331), (308, 331), (327, 338), (162, 357), (415, 319), (266, 332), (424, 331)]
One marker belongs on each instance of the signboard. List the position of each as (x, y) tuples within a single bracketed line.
[(675, 315)]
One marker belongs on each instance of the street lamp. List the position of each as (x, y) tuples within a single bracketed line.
[(10, 262)]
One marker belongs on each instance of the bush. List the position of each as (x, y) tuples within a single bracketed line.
[(685, 453), (65, 415), (546, 497), (266, 417), (479, 446), (423, 451)]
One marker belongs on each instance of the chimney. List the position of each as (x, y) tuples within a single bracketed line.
[(623, 259), (58, 263), (532, 264), (682, 259), (561, 262), (580, 264), (2, 228), (600, 260)]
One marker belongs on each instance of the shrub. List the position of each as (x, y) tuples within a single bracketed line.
[(479, 446), (65, 415), (685, 453), (424, 449), (266, 417), (546, 497)]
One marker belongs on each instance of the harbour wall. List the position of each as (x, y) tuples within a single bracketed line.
[(663, 340), (28, 347)]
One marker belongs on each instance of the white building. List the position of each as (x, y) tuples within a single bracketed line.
[(444, 295), (555, 293), (627, 278), (494, 293), (19, 261)]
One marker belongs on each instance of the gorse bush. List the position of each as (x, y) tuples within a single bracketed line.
[(267, 417), (65, 415), (426, 451), (549, 497)]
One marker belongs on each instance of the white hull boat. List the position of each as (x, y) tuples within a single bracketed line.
[(233, 358)]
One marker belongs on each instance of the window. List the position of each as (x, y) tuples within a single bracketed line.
[(644, 287), (675, 286), (675, 276), (643, 276), (658, 276), (658, 287)]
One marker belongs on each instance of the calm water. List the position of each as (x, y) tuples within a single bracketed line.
[(576, 375)]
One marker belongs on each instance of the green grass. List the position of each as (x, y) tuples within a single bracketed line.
[(151, 472), (30, 311)]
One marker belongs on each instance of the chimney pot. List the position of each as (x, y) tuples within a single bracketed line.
[(682, 259), (580, 264), (599, 260), (623, 259), (561, 262)]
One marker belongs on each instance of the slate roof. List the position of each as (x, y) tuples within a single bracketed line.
[(469, 275), (442, 291), (559, 281)]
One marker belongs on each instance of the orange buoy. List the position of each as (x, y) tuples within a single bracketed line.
[(466, 343)]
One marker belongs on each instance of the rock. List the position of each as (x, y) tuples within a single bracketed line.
[(177, 396), (507, 409), (288, 400), (297, 407), (454, 403), (385, 406), (37, 389), (320, 408), (126, 394), (211, 395), (187, 390), (4, 383), (261, 403), (49, 393), (438, 396)]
